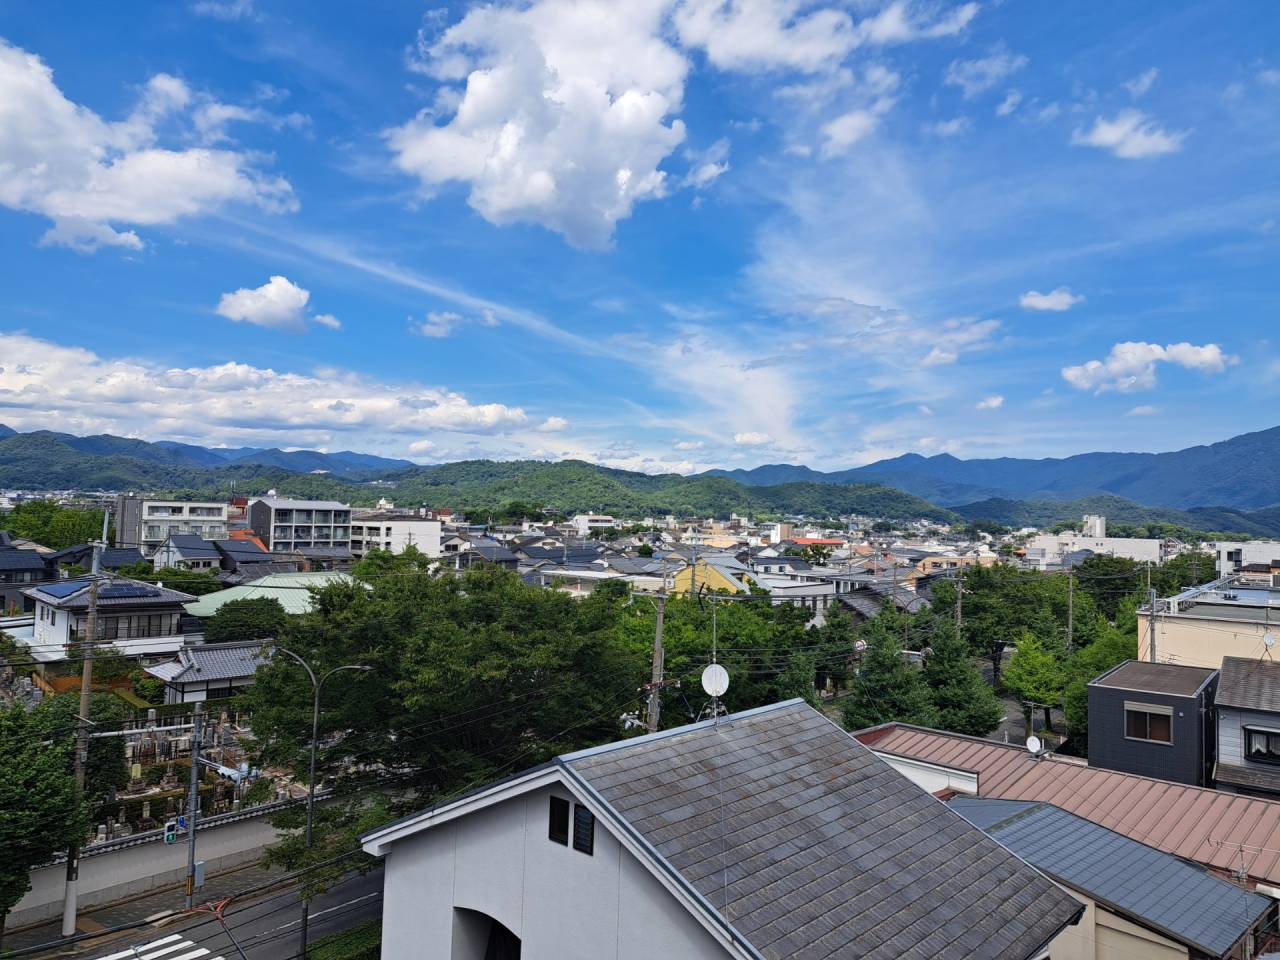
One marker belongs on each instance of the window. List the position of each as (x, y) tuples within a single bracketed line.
[(1261, 746), (584, 829), (558, 825), (1148, 721), (53, 617)]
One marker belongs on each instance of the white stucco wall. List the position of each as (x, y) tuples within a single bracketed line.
[(563, 904)]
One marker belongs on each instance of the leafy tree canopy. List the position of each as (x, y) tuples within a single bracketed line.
[(253, 618)]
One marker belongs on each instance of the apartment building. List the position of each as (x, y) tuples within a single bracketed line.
[(386, 530), (1232, 555), (284, 525), (146, 524)]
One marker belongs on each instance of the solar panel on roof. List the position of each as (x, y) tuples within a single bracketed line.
[(120, 591), (64, 588)]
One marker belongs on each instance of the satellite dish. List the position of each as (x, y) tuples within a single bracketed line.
[(1033, 745), (1268, 640), (859, 645), (715, 680)]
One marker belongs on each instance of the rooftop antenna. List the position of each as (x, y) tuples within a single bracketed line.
[(715, 678)]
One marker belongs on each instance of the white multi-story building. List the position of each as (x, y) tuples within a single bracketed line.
[(1094, 526), (584, 523), (1231, 555), (380, 530), (146, 524)]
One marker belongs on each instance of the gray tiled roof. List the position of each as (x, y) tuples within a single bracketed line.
[(1249, 684), (14, 559), (1155, 888), (813, 847), (212, 661)]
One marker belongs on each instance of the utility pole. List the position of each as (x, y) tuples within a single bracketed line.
[(655, 678), (90, 638), (959, 600), (1151, 625), (1071, 599), (193, 802)]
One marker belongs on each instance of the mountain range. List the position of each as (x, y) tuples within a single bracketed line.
[(1232, 486), (1242, 473)]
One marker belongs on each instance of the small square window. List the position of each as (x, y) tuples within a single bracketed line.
[(584, 829), (558, 825)]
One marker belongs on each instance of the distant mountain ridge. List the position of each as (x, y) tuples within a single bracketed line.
[(22, 446), (1241, 473), (908, 487)]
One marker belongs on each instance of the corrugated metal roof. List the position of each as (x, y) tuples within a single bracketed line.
[(1162, 891), (1249, 684), (812, 847), (1196, 823), (291, 590)]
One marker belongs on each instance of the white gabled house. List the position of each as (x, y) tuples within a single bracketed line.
[(769, 835)]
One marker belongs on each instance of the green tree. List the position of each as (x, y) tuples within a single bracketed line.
[(57, 719), (40, 811), (964, 701), (1117, 644), (816, 553), (253, 618), (885, 687), (51, 525), (1036, 676), (644, 550)]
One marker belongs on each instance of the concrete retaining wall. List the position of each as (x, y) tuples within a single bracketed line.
[(132, 870)]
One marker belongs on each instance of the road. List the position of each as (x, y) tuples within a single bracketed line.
[(265, 927), (268, 928)]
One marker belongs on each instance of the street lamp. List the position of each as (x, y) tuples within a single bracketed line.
[(316, 685)]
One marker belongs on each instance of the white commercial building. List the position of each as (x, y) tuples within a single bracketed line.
[(380, 530), (584, 523), (1231, 555), (1048, 549)]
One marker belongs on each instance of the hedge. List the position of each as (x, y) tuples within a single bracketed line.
[(361, 942)]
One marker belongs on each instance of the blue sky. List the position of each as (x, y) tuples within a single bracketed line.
[(662, 235)]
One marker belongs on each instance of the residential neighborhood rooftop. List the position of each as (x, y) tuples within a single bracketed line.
[(1195, 823), (1172, 678), (1186, 901), (1249, 684)]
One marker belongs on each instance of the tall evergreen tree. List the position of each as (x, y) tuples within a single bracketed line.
[(886, 688), (965, 703), (40, 811)]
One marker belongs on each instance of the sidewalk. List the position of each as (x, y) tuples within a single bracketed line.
[(133, 911)]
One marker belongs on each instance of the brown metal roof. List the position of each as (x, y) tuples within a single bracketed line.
[(1204, 825), (1171, 678)]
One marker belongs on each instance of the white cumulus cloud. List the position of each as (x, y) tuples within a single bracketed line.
[(553, 425), (565, 110), (1131, 365), (977, 76), (92, 176), (752, 438), (1130, 135), (46, 385), (993, 402), (1056, 300), (279, 304), (950, 128), (1142, 411)]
